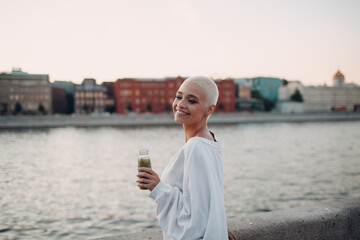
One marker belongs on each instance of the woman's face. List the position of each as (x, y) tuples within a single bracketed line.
[(189, 105)]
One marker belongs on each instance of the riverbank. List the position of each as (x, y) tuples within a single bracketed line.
[(331, 220), (127, 120)]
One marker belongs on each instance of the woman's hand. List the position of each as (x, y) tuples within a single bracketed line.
[(147, 178), (231, 235)]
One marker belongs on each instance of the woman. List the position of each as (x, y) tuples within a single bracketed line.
[(190, 196)]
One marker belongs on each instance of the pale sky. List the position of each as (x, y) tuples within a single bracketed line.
[(305, 40)]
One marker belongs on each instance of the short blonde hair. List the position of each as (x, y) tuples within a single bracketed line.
[(209, 86)]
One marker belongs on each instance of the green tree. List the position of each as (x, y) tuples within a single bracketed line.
[(69, 103), (297, 97), (149, 107), (41, 109), (86, 108), (285, 82), (256, 94), (168, 107), (129, 107), (18, 108), (4, 109), (110, 109), (268, 104), (220, 107)]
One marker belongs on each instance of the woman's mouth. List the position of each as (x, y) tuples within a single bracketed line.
[(181, 113)]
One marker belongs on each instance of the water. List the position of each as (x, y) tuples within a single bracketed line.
[(79, 183)]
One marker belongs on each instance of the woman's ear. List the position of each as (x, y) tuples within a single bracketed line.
[(211, 109)]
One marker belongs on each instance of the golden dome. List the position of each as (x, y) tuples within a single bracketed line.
[(338, 74)]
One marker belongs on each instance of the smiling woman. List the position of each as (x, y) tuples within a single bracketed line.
[(195, 101), (190, 194)]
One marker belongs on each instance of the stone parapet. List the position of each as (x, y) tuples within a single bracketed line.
[(333, 220), (126, 120)]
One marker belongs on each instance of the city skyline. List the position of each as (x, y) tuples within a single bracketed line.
[(306, 41)]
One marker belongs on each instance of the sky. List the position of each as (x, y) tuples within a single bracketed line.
[(303, 40)]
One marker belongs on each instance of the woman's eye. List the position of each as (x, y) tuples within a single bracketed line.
[(178, 97), (192, 101)]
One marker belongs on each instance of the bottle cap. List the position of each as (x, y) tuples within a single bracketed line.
[(143, 151)]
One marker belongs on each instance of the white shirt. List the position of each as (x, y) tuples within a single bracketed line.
[(190, 196)]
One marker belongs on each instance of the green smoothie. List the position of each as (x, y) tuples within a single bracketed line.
[(144, 161)]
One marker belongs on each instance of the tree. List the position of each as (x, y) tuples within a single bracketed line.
[(221, 107), (4, 109), (110, 109), (69, 103), (129, 107), (168, 107), (297, 97), (149, 107), (256, 94), (268, 104), (285, 82), (86, 108), (18, 108), (41, 109)]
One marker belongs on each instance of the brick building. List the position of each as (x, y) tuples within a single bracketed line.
[(226, 101), (89, 97), (145, 95), (24, 93), (157, 95)]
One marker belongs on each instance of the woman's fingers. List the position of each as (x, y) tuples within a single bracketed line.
[(231, 235), (146, 184), (144, 180), (144, 174), (147, 178), (148, 173), (147, 170)]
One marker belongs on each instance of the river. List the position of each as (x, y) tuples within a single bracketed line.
[(80, 183)]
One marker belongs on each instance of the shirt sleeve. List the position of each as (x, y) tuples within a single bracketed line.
[(198, 211)]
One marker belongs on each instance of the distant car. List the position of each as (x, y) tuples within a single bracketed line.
[(339, 109)]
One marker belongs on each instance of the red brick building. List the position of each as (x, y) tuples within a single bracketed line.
[(145, 95), (226, 101), (157, 95)]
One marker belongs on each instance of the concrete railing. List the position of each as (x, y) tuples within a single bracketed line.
[(165, 119), (335, 220)]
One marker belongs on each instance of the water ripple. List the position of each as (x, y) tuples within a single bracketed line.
[(79, 183)]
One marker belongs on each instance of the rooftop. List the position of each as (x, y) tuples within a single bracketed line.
[(338, 74)]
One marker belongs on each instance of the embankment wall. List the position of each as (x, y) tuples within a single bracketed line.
[(335, 220), (164, 119)]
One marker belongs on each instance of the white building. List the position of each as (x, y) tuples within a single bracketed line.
[(340, 97), (338, 79)]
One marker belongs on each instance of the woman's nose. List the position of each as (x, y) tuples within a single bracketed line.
[(181, 103)]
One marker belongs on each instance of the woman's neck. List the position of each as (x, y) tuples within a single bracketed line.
[(197, 131)]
